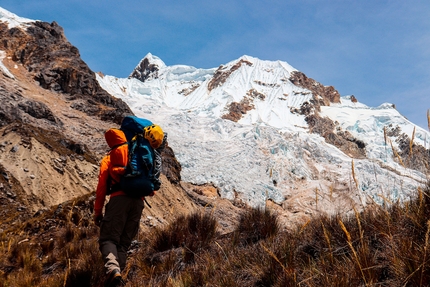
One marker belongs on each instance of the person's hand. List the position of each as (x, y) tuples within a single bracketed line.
[(152, 193), (98, 219)]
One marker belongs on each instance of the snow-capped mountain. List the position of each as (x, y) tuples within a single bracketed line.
[(256, 129), (262, 130)]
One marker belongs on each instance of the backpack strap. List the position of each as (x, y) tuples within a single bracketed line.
[(144, 199)]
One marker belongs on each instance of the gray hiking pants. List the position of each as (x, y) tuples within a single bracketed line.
[(119, 226)]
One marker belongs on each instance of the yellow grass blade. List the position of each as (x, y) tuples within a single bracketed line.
[(304, 225), (428, 118), (353, 174), (348, 236), (421, 199), (276, 258), (385, 135), (411, 143), (357, 217), (327, 238), (316, 197)]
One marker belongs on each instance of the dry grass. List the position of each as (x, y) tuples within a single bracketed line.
[(56, 247), (353, 174), (377, 247)]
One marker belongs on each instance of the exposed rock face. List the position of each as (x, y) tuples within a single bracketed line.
[(171, 166), (323, 96), (56, 64), (305, 109), (52, 140), (188, 91), (413, 156), (10, 96), (408, 154), (328, 93), (334, 135), (237, 110), (39, 110), (15, 107), (392, 131), (145, 70)]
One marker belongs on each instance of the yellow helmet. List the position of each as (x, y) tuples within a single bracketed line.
[(154, 134)]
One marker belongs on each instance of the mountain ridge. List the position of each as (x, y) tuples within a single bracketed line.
[(250, 95)]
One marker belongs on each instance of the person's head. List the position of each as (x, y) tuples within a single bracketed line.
[(115, 137), (154, 134)]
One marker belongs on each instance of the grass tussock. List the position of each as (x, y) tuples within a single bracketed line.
[(255, 225), (378, 247), (193, 232)]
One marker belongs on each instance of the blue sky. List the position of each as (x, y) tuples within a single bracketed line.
[(378, 51)]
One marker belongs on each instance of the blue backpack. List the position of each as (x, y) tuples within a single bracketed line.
[(143, 170)]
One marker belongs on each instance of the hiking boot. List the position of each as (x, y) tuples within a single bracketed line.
[(114, 279)]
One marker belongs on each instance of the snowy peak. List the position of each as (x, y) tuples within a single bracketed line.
[(147, 68), (247, 90)]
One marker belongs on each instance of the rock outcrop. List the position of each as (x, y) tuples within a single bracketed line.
[(145, 70), (324, 95), (56, 65)]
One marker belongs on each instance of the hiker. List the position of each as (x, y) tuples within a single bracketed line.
[(120, 223), (129, 172)]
